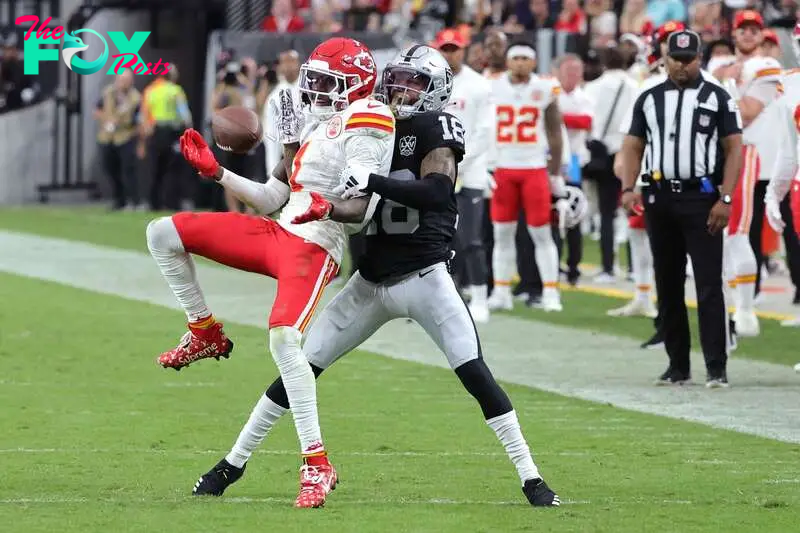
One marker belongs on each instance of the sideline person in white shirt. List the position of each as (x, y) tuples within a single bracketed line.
[(471, 102)]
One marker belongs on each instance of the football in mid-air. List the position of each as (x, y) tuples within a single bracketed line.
[(236, 129)]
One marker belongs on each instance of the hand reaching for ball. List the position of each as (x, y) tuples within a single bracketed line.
[(196, 152)]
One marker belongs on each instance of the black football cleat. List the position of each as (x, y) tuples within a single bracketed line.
[(673, 377), (539, 494), (215, 481)]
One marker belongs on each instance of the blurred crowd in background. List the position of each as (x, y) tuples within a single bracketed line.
[(600, 20), (16, 88)]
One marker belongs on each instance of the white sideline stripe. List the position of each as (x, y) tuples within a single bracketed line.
[(335, 501), (764, 398), (67, 451)]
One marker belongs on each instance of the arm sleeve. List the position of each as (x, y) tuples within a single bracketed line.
[(729, 118), (265, 198), (272, 147), (786, 159)]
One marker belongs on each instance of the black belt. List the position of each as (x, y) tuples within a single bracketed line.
[(677, 186)]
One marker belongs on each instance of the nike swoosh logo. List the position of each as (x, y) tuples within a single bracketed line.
[(370, 105), (423, 274), (476, 200)]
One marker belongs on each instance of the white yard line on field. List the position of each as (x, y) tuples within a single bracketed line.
[(56, 500), (764, 399)]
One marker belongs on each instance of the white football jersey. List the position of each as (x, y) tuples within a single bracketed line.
[(471, 103), (362, 134), (760, 79), (520, 135), (785, 133)]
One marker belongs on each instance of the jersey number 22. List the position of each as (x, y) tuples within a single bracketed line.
[(525, 130)]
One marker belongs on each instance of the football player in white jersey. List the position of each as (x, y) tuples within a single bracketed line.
[(527, 164), (753, 80), (784, 179), (346, 126), (471, 103)]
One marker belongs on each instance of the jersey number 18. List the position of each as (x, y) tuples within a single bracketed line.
[(394, 218)]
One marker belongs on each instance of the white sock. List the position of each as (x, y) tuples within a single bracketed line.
[(478, 293), (301, 388), (642, 260), (262, 419), (729, 273), (546, 255), (177, 267), (504, 255), (744, 261), (507, 429)]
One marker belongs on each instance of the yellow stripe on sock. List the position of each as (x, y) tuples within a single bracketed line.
[(205, 322)]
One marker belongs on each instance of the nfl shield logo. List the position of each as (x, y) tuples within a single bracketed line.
[(683, 41), (704, 120), (407, 145)]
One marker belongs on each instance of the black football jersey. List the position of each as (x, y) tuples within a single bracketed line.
[(399, 239)]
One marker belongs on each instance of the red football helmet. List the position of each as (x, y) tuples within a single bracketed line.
[(338, 72)]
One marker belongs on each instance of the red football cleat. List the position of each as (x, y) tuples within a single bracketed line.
[(315, 484), (198, 344)]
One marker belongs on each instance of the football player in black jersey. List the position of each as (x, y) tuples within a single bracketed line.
[(403, 272)]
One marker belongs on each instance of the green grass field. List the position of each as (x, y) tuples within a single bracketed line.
[(97, 437)]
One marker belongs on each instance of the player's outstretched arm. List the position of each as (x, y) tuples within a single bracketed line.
[(432, 193)]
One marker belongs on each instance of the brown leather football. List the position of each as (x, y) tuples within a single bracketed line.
[(236, 129)]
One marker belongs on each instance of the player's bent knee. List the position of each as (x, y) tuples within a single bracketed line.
[(285, 346), (162, 236)]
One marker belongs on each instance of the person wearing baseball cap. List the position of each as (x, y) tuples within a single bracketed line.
[(693, 131), (660, 43), (748, 26)]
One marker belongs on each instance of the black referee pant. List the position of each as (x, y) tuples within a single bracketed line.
[(676, 224)]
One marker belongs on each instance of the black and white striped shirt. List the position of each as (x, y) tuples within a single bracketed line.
[(683, 128)]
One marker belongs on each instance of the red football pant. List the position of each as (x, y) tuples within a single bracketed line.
[(261, 245), (527, 189), (742, 202)]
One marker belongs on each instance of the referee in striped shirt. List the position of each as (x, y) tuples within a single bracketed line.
[(688, 129)]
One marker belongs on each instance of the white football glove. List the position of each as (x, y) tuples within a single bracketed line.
[(562, 208), (773, 211), (558, 187), (289, 117), (353, 179)]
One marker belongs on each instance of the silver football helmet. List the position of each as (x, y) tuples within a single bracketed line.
[(417, 80)]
